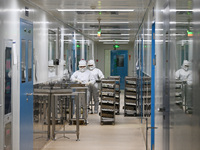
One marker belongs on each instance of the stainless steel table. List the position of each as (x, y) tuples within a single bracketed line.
[(45, 92), (53, 98), (80, 90)]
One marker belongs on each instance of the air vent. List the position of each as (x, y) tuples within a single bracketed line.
[(96, 13)]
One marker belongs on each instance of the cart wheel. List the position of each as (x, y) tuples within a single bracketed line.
[(113, 123), (101, 123)]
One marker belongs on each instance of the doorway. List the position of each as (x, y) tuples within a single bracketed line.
[(119, 65)]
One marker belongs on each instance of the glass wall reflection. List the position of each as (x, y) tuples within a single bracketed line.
[(184, 55)]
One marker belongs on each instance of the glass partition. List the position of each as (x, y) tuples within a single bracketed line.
[(51, 45), (184, 55), (23, 61), (30, 53)]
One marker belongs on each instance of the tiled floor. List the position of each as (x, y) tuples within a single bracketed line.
[(126, 134)]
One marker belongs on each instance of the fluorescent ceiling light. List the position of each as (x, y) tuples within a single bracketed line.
[(42, 22), (95, 22), (125, 34), (108, 34), (114, 40), (106, 41), (98, 10), (184, 10), (16, 10), (73, 34), (122, 40), (67, 40), (177, 34), (83, 40), (180, 10), (115, 43), (159, 22), (112, 34), (162, 34), (112, 29), (116, 29)]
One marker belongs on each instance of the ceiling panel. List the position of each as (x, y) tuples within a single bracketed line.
[(134, 18)]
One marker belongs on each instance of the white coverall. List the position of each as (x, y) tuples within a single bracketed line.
[(98, 75), (84, 77), (185, 75)]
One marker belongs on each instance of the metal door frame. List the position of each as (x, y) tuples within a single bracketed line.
[(6, 118), (153, 63), (166, 78), (126, 62), (141, 78)]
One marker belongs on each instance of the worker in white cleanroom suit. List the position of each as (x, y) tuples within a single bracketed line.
[(98, 75), (83, 76), (185, 75)]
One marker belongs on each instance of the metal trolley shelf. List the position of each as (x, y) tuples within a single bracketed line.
[(117, 93), (107, 111), (137, 102), (146, 96), (130, 96)]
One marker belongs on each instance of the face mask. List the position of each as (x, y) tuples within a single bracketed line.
[(186, 68), (91, 68), (82, 69)]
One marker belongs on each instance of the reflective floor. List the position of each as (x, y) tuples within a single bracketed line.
[(126, 134)]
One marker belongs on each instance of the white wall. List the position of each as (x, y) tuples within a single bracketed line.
[(11, 12)]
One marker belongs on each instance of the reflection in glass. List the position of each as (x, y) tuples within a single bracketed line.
[(184, 76), (78, 46), (8, 84), (184, 56), (120, 60), (23, 61), (51, 45), (30, 60)]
